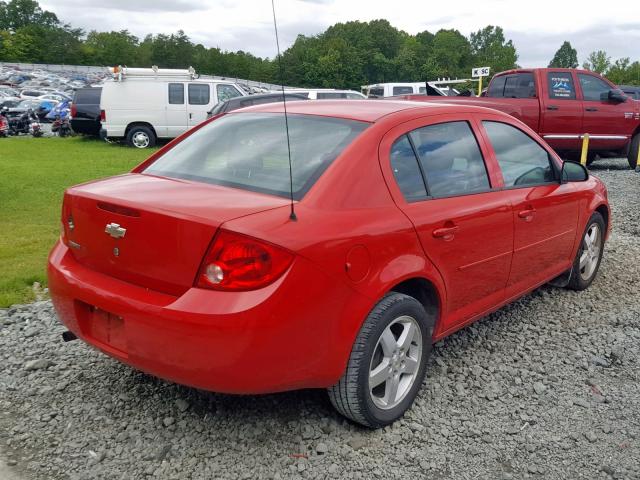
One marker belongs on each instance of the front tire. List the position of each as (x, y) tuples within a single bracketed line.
[(587, 261), (387, 364), (140, 136), (632, 156)]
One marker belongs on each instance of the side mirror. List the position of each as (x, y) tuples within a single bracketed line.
[(573, 172), (614, 96)]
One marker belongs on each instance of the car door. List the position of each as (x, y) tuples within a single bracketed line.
[(176, 109), (545, 211), (199, 103), (465, 228), (561, 111), (609, 124)]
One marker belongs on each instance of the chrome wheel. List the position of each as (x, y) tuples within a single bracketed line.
[(140, 140), (395, 362), (590, 253)]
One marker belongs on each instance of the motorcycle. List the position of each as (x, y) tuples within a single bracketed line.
[(4, 125), (61, 125), (24, 122)]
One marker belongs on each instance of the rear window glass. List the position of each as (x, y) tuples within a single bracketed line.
[(496, 87), (561, 86), (88, 96), (249, 151), (402, 90)]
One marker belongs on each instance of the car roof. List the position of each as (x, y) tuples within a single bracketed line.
[(361, 110)]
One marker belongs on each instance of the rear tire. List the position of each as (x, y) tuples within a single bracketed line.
[(387, 364), (587, 261), (632, 156), (140, 136)]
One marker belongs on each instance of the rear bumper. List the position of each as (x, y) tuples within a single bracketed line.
[(85, 126), (282, 337)]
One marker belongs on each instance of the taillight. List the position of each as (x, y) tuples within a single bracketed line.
[(237, 262), (74, 110), (103, 116)]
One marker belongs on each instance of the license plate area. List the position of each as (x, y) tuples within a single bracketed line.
[(105, 328)]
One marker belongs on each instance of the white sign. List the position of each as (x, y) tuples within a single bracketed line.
[(480, 72)]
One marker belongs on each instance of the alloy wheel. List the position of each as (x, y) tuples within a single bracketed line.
[(395, 362), (590, 254)]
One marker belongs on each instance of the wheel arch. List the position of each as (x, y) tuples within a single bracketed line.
[(426, 292), (603, 210), (140, 124)]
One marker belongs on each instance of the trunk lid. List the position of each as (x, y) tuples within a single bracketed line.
[(159, 228)]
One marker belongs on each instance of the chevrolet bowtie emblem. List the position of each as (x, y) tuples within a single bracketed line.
[(115, 230)]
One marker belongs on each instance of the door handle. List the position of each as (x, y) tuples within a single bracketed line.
[(527, 214), (552, 107), (591, 109), (446, 233)]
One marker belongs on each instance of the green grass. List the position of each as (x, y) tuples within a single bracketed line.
[(33, 175)]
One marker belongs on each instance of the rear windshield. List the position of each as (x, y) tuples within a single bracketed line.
[(87, 96), (249, 151)]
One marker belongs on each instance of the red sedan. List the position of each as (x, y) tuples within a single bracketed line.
[(411, 221)]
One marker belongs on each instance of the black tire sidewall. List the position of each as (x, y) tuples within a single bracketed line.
[(404, 305)]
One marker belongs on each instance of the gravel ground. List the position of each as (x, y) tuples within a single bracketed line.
[(547, 387)]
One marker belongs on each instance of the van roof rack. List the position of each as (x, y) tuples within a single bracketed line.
[(121, 72)]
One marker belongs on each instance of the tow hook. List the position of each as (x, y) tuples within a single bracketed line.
[(68, 336)]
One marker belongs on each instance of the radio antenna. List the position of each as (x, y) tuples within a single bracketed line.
[(292, 215)]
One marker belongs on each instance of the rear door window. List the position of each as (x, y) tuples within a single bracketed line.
[(450, 158), (522, 160), (496, 87), (561, 86), (176, 93), (520, 85), (199, 94), (593, 88)]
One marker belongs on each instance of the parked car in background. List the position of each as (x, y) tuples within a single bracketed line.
[(85, 111), (31, 93), (258, 99), (562, 105), (326, 93), (412, 221), (390, 89), (141, 105), (632, 91)]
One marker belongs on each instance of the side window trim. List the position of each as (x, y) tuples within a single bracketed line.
[(415, 154)]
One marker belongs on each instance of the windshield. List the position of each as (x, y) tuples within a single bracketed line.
[(249, 151)]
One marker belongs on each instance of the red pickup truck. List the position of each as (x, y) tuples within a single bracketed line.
[(561, 105)]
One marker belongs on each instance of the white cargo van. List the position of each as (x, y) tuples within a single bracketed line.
[(144, 104)]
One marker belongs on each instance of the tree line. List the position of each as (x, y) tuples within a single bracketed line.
[(346, 55)]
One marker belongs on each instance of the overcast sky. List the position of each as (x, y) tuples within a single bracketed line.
[(536, 27)]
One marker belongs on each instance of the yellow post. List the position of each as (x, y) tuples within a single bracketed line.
[(480, 86), (585, 149), (638, 161)]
